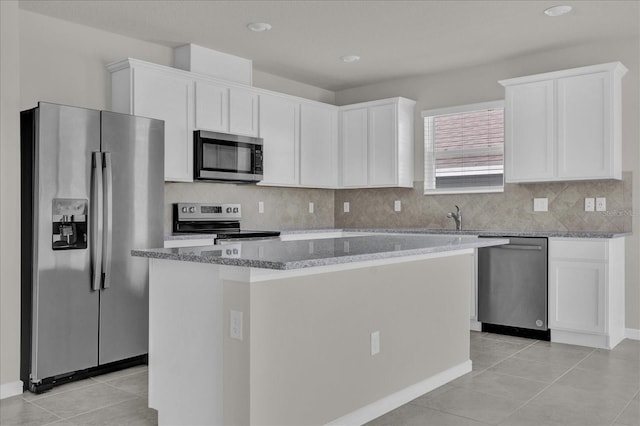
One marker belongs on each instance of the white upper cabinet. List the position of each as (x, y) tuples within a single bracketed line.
[(300, 142), (151, 91), (529, 116), (225, 109), (280, 131), (304, 145), (383, 145), (243, 112), (353, 128), (318, 145), (377, 144), (585, 127), (212, 107), (564, 125)]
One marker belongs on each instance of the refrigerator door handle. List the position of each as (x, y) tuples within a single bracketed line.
[(108, 219), (96, 220)]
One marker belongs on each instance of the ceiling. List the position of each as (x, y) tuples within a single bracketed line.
[(394, 38)]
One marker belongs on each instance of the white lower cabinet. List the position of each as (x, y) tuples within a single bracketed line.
[(586, 291)]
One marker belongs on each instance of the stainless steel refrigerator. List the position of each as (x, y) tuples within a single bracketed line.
[(92, 189)]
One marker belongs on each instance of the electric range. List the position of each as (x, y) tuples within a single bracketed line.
[(223, 220)]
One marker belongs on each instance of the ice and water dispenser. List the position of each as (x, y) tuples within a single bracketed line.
[(69, 224)]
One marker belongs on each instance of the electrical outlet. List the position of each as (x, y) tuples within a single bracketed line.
[(346, 247), (236, 325), (397, 205), (311, 247), (310, 207), (540, 204), (601, 204), (375, 343), (346, 207), (260, 206), (589, 204)]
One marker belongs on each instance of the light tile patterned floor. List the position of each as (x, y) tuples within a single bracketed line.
[(118, 398), (521, 382), (514, 382)]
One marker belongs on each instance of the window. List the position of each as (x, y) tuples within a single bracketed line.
[(464, 149)]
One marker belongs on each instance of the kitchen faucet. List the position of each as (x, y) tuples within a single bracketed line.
[(457, 216)]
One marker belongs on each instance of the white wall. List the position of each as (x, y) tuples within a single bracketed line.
[(480, 83), (9, 200)]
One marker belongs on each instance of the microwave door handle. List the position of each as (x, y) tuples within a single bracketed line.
[(96, 220), (108, 219)]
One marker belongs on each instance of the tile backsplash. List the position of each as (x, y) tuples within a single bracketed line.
[(509, 210), (288, 208), (284, 208)]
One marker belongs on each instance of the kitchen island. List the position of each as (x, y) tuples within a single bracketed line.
[(313, 331)]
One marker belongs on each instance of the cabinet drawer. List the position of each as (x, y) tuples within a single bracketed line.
[(578, 249)]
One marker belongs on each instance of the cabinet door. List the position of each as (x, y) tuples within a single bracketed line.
[(279, 128), (577, 295), (383, 145), (529, 132), (318, 146), (243, 112), (584, 126), (353, 128), (169, 98), (212, 107)]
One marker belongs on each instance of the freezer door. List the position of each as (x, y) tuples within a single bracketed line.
[(133, 158), (64, 335)]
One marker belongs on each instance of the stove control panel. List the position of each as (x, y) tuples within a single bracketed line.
[(198, 211)]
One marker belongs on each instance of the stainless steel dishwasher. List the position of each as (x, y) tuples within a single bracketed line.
[(512, 288)]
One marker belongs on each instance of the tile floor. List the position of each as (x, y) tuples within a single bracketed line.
[(514, 382), (522, 382)]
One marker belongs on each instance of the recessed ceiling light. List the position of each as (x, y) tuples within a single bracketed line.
[(350, 58), (259, 26), (557, 10)]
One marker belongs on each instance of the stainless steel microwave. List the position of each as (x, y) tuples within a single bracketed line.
[(220, 157)]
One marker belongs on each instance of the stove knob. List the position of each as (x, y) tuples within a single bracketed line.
[(192, 209), (229, 209), (235, 210), (184, 210)]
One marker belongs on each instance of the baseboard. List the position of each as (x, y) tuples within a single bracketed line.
[(8, 390), (632, 333), (475, 325), (398, 399)]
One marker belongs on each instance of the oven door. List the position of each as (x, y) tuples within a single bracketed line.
[(231, 158)]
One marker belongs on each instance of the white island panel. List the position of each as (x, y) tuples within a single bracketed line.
[(305, 356)]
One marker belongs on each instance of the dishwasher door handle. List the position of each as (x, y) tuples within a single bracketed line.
[(518, 247)]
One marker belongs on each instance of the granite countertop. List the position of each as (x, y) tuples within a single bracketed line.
[(286, 255), (431, 231), (493, 233)]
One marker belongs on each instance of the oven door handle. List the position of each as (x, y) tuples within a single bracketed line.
[(518, 247)]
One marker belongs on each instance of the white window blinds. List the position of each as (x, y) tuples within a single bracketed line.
[(464, 149)]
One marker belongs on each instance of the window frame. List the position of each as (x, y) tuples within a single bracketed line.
[(429, 156)]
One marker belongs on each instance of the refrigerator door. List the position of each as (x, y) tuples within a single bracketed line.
[(64, 319), (133, 158)]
